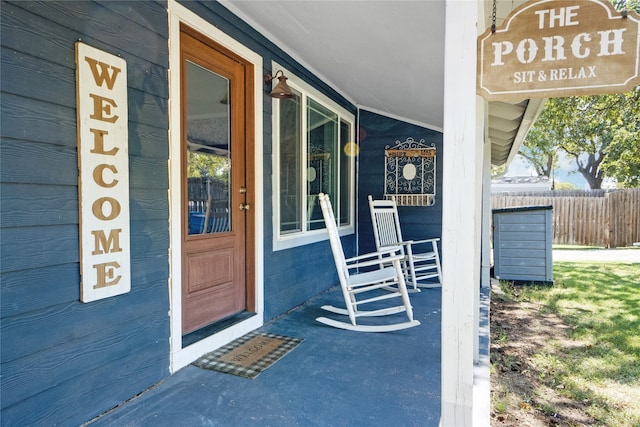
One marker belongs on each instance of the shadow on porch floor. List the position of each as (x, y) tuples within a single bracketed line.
[(334, 378)]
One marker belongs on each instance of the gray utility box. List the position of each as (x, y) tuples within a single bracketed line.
[(522, 239)]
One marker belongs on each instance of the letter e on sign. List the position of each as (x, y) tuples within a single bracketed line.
[(103, 182)]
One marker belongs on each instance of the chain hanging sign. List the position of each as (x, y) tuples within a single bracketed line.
[(103, 161), (554, 48)]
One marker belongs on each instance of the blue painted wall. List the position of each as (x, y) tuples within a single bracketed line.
[(62, 361), (375, 133)]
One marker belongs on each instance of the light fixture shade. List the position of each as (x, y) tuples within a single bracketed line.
[(282, 89)]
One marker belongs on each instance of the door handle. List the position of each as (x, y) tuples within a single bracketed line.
[(244, 207)]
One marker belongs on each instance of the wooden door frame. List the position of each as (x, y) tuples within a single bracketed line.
[(180, 356)]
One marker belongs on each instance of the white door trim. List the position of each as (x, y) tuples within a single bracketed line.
[(181, 357)]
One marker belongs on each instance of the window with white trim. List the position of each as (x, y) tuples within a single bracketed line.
[(314, 152)]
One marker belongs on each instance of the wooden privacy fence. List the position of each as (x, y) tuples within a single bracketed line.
[(594, 218)]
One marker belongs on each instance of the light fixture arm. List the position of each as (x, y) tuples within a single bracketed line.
[(268, 78)]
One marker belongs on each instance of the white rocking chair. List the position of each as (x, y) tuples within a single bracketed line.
[(418, 265), (355, 283)]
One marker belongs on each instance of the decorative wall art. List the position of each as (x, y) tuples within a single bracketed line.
[(410, 173)]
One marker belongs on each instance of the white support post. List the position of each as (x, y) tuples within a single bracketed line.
[(483, 135), (461, 214), (479, 206), (486, 216)]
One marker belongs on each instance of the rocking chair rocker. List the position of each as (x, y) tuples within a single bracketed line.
[(355, 283), (418, 265)]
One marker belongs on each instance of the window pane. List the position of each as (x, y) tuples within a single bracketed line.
[(322, 160), (290, 167), (348, 150), (208, 151)]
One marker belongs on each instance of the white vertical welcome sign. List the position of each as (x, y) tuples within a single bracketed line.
[(103, 160)]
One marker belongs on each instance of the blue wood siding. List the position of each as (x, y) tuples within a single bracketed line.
[(64, 362), (376, 133), (522, 244)]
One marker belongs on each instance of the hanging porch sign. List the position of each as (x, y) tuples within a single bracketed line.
[(103, 162), (554, 48)]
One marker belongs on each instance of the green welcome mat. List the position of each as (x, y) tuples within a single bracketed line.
[(248, 355)]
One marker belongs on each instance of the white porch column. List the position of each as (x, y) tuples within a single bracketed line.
[(485, 206), (461, 213), (486, 216)]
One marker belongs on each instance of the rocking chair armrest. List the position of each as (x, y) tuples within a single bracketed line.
[(417, 242), (407, 242), (374, 261), (397, 245), (374, 258)]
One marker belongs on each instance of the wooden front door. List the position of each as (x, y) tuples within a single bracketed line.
[(216, 138)]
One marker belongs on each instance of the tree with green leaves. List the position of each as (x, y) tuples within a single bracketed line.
[(623, 159), (203, 165), (627, 5), (539, 146), (601, 133)]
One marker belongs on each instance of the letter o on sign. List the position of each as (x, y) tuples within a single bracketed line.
[(98, 208)]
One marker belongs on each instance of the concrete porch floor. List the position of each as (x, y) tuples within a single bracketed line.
[(334, 378)]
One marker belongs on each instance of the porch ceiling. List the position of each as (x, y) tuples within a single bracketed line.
[(384, 56)]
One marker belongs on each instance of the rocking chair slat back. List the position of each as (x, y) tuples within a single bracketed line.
[(386, 226)]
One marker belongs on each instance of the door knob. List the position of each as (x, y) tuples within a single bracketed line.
[(245, 207)]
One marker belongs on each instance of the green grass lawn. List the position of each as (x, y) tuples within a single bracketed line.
[(575, 247), (588, 248), (601, 305)]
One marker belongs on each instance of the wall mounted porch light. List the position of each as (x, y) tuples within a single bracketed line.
[(282, 89)]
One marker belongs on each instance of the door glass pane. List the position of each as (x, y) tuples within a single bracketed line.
[(208, 151), (289, 165), (322, 160)]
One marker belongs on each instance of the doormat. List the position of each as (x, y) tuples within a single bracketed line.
[(248, 355)]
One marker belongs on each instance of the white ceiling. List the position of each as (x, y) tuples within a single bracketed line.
[(384, 56)]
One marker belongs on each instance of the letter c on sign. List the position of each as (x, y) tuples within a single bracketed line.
[(98, 175)]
